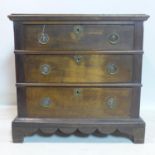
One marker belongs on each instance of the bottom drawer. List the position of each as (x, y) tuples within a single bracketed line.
[(73, 102)]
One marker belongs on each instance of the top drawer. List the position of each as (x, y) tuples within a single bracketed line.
[(46, 37)]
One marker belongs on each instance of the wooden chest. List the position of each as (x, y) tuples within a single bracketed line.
[(78, 74)]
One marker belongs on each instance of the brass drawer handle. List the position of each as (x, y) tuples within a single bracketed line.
[(112, 68), (77, 92), (111, 102), (113, 38), (78, 59), (46, 102), (45, 69), (43, 37)]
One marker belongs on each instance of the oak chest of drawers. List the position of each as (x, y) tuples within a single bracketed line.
[(78, 74)]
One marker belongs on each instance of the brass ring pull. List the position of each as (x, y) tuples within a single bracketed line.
[(43, 37), (112, 68), (111, 102), (46, 102), (45, 69), (113, 38)]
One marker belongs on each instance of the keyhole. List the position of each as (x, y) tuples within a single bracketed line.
[(77, 92), (78, 30), (78, 59)]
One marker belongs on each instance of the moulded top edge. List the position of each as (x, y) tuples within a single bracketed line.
[(79, 17)]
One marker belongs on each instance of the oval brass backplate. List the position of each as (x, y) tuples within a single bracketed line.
[(111, 102), (46, 102), (112, 68), (113, 38), (43, 38), (45, 69)]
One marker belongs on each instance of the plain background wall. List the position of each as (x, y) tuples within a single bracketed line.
[(7, 69)]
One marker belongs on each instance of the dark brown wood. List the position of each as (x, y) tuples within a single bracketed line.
[(137, 68), (126, 52), (18, 38), (132, 128), (135, 107), (107, 85), (89, 37), (21, 101), (138, 38), (79, 22), (79, 17), (133, 110), (90, 103), (64, 68), (78, 95), (20, 75)]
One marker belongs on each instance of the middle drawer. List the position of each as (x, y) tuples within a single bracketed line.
[(75, 68)]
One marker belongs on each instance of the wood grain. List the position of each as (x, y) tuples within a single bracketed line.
[(91, 37), (74, 96), (63, 69), (91, 103), (131, 128)]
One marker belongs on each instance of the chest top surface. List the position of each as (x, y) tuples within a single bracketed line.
[(74, 17)]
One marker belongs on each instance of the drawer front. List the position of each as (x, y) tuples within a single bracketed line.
[(70, 102), (76, 68), (78, 37)]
